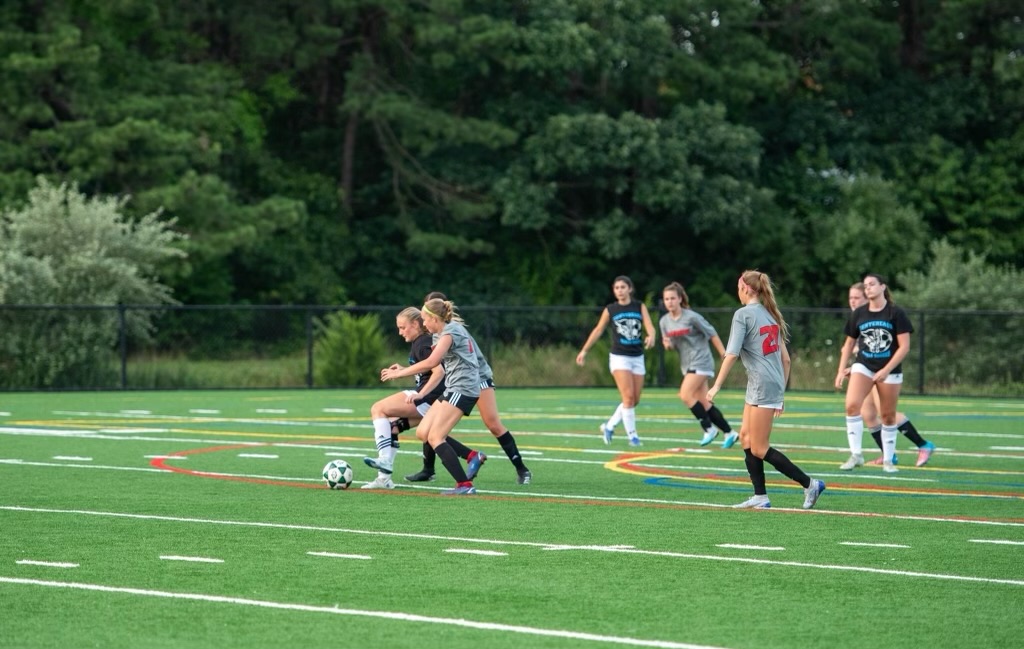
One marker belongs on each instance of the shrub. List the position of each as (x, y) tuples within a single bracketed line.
[(349, 350)]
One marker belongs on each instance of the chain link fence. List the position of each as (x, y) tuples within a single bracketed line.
[(208, 347)]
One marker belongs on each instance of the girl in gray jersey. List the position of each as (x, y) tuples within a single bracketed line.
[(487, 405), (758, 338), (689, 333), (456, 349)]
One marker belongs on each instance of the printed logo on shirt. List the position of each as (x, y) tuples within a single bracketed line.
[(876, 339)]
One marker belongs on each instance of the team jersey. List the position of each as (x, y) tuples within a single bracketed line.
[(876, 335), (755, 338), (627, 328), (461, 370), (689, 335), (486, 373), (420, 351)]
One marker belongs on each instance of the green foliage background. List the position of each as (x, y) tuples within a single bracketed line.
[(364, 151)]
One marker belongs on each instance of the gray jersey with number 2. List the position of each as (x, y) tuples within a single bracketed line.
[(754, 337)]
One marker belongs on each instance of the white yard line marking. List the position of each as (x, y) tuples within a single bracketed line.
[(340, 556), (174, 557), (126, 431), (485, 553), (738, 546), (1006, 448), (339, 411), (997, 541), (72, 458), (272, 411), (530, 544), (49, 564), (165, 457), (388, 615), (261, 456), (873, 545), (136, 412), (4, 414), (203, 411)]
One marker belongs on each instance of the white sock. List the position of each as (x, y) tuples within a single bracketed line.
[(629, 420), (382, 436), (616, 417), (889, 435), (855, 434)]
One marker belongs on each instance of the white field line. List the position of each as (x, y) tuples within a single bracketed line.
[(203, 411), (72, 458), (338, 411), (529, 544), (873, 545), (4, 413), (136, 412), (388, 615), (485, 553), (48, 564), (997, 541), (148, 469), (1006, 448), (175, 557), (272, 411), (165, 457), (260, 456), (340, 556), (737, 546)]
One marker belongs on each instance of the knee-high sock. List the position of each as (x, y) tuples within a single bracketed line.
[(702, 416), (451, 462), (429, 458), (460, 449), (784, 466), (616, 417), (508, 444), (889, 435), (876, 434), (718, 419), (755, 469), (855, 434), (382, 436), (910, 432), (629, 420)]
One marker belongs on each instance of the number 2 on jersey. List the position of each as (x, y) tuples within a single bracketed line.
[(770, 344)]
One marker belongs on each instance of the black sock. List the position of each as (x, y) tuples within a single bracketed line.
[(787, 468), (702, 415), (508, 444), (718, 419), (429, 458), (911, 433), (460, 449), (399, 425), (451, 462), (876, 434), (394, 440), (755, 468)]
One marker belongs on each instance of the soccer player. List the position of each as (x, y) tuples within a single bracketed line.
[(758, 338), (629, 317), (869, 411), (689, 333), (880, 331)]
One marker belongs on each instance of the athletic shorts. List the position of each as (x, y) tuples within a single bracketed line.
[(486, 385), (422, 405), (459, 400), (632, 364), (892, 379), (773, 406), (701, 372)]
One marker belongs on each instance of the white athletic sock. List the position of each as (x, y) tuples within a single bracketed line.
[(889, 435), (382, 436), (629, 420), (855, 434), (615, 418)]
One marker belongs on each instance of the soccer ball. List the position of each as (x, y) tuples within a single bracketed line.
[(338, 474)]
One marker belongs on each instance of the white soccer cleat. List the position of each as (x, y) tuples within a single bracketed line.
[(755, 502), (380, 482), (855, 461)]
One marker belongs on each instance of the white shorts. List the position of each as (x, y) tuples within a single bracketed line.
[(892, 379), (421, 408), (708, 373), (773, 406), (633, 364)]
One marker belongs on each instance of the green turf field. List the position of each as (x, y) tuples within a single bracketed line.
[(199, 519)]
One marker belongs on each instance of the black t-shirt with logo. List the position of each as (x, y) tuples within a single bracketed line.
[(876, 334)]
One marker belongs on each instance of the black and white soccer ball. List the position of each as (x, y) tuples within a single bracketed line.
[(338, 474)]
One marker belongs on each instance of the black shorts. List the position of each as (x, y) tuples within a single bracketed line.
[(460, 401), (429, 399), (486, 384)]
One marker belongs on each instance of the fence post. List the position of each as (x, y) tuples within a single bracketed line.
[(122, 339), (920, 356), (309, 348)]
